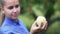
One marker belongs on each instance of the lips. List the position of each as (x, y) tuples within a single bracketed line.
[(14, 15)]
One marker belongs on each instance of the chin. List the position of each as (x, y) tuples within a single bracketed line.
[(14, 18)]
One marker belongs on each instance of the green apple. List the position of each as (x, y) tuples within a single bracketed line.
[(40, 19)]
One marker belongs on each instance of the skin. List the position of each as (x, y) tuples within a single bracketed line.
[(35, 29), (11, 9)]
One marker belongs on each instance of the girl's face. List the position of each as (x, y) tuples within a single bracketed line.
[(11, 8)]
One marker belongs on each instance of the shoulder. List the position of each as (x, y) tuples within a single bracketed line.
[(5, 27), (21, 22), (7, 30), (1, 32), (23, 26)]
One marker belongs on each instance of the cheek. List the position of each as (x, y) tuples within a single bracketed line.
[(18, 10), (8, 12)]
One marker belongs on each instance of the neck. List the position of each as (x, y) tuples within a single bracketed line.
[(11, 18)]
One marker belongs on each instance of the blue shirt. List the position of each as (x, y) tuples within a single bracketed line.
[(1, 32), (10, 26)]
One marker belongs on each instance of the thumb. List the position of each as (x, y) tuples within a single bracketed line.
[(44, 25)]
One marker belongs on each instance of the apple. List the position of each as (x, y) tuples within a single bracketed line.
[(40, 19)]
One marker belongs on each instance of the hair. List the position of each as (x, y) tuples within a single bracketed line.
[(1, 3), (2, 16)]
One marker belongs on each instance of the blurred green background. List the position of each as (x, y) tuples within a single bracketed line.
[(30, 9)]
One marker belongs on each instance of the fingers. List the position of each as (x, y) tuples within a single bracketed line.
[(39, 27), (34, 23), (34, 27), (44, 26)]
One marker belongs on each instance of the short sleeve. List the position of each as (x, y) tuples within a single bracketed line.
[(24, 26), (8, 30), (1, 32)]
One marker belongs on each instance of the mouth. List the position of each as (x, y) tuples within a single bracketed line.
[(14, 15)]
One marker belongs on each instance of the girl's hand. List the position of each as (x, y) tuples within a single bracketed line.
[(35, 28)]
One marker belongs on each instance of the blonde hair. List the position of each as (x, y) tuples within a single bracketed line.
[(2, 16)]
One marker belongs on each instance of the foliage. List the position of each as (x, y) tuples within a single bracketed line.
[(30, 9)]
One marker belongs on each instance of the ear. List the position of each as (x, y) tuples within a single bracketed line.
[(2, 10)]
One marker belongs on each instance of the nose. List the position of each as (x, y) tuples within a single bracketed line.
[(14, 10)]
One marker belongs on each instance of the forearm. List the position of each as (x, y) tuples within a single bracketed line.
[(33, 32)]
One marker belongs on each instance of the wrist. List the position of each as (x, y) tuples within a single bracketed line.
[(33, 32)]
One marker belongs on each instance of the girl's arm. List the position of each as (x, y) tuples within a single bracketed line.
[(35, 29)]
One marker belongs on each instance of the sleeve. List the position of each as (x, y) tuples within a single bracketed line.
[(1, 32), (24, 26), (8, 30)]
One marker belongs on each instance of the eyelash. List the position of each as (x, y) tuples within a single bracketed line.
[(17, 6), (11, 7)]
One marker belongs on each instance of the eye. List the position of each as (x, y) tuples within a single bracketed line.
[(17, 6), (11, 7)]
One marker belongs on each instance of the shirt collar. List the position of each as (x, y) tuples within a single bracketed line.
[(11, 21)]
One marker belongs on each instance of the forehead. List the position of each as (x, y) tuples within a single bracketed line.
[(11, 2)]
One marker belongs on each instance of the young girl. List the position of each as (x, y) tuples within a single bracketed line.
[(11, 23)]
